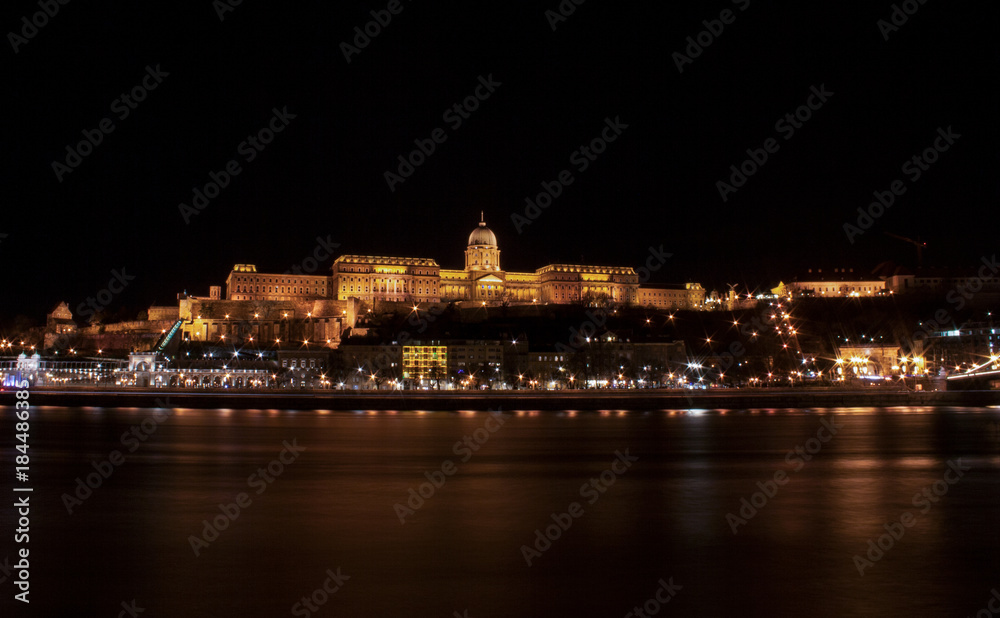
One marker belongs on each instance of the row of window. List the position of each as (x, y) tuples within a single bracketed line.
[(368, 279), (671, 294), (259, 279), (301, 363), (384, 291), (268, 297), (859, 288), (274, 289), (362, 269)]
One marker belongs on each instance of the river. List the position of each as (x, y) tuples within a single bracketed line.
[(695, 513)]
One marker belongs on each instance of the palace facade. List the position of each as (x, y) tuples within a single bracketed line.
[(370, 278)]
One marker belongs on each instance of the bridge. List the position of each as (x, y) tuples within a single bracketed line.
[(979, 377)]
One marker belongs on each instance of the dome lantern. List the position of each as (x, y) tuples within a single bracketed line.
[(482, 235)]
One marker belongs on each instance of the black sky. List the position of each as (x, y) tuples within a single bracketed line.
[(323, 175)]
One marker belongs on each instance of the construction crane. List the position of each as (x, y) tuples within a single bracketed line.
[(919, 244)]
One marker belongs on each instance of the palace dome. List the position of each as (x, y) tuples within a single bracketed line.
[(482, 235)]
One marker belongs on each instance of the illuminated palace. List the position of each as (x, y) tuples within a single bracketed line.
[(371, 278)]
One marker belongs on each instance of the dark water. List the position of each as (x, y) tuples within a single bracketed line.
[(664, 516)]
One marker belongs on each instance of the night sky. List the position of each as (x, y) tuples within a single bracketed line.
[(218, 81)]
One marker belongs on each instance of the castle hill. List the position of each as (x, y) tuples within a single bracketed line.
[(366, 324)]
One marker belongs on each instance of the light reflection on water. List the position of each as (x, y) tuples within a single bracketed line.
[(663, 517)]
